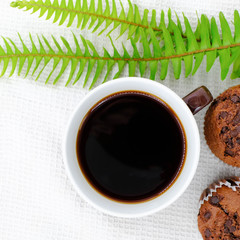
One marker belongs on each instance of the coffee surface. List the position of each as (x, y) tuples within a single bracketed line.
[(130, 146)]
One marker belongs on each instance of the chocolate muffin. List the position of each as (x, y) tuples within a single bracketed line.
[(219, 213), (222, 126)]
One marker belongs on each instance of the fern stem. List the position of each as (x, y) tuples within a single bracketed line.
[(118, 58)]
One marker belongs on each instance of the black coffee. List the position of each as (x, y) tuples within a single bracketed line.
[(131, 146)]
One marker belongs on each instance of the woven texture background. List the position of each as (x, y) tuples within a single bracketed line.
[(37, 200)]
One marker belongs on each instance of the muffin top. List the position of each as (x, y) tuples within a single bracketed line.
[(222, 126), (219, 214)]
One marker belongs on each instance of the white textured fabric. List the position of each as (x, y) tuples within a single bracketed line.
[(37, 200)]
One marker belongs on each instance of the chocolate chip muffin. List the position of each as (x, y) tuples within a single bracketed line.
[(219, 213), (222, 126)]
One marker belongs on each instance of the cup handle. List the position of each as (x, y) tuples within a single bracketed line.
[(198, 99)]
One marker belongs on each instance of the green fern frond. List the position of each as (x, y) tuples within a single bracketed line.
[(173, 48), (87, 13)]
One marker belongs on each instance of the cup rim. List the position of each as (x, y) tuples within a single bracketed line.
[(123, 209)]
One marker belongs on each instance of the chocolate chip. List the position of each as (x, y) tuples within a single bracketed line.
[(207, 233), (236, 119), (229, 142), (214, 200), (224, 129), (226, 229), (238, 140), (228, 223), (207, 215), (235, 215), (222, 115), (235, 131), (235, 99), (232, 229), (228, 152), (228, 226)]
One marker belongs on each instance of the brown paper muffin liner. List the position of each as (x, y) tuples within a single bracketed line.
[(231, 182)]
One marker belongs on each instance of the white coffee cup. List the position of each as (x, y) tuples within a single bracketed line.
[(186, 117)]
